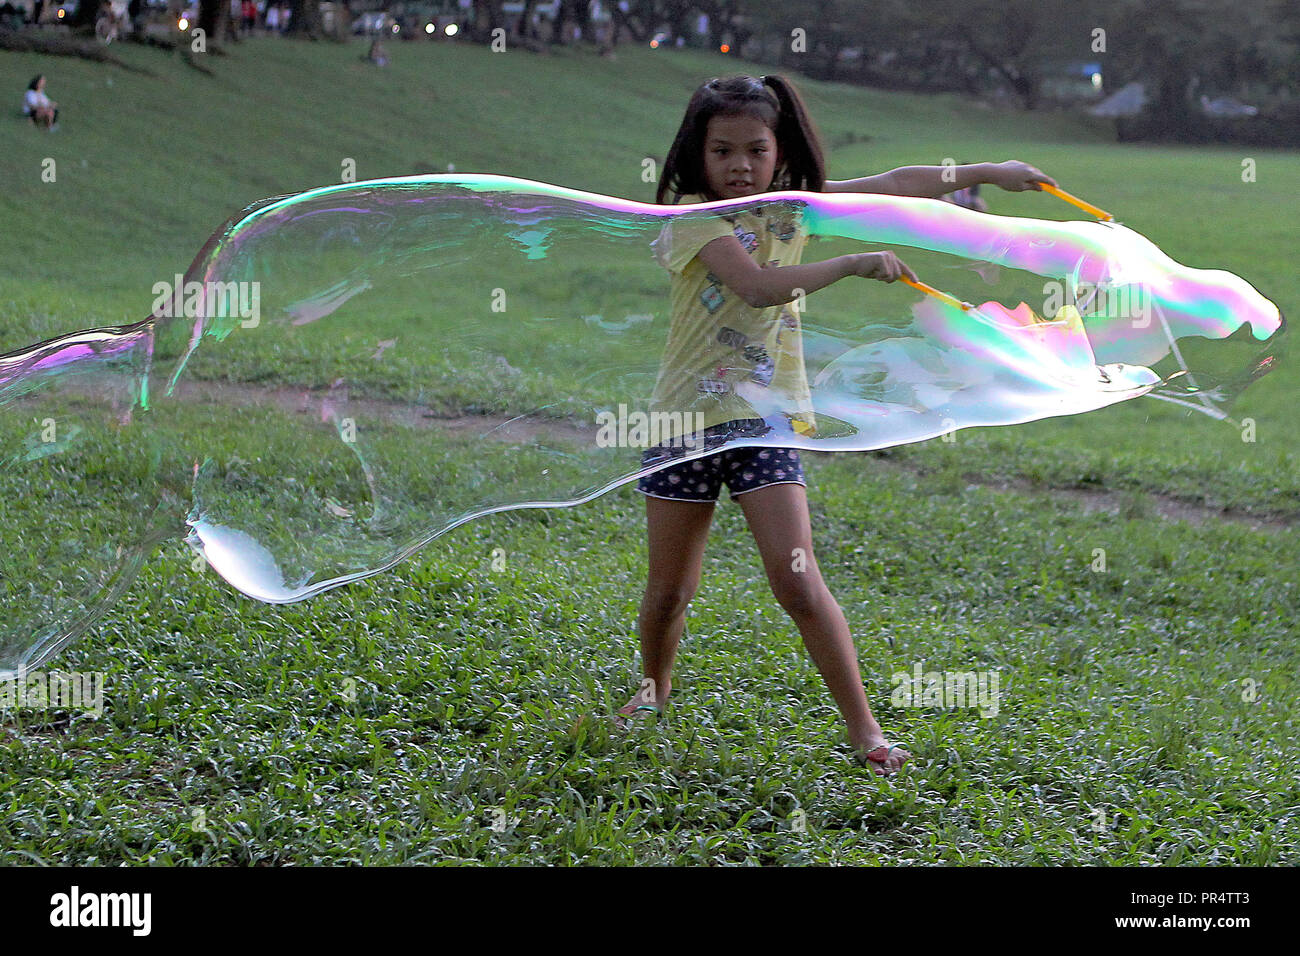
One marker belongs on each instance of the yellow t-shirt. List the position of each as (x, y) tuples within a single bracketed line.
[(724, 358)]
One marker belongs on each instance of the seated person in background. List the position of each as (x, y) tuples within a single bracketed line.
[(42, 110), (968, 197)]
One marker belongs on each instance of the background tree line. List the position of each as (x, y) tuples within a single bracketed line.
[(1013, 49)]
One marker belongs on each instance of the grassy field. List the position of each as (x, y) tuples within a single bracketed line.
[(1147, 712)]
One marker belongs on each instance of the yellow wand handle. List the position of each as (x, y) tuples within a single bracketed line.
[(931, 290), (1087, 207)]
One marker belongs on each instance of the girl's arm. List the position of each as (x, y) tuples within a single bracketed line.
[(761, 287), (931, 182)]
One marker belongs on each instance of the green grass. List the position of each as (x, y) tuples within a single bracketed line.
[(385, 721)]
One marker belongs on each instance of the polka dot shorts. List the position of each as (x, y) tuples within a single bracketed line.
[(742, 469)]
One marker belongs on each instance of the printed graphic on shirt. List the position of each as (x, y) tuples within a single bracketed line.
[(737, 340), (747, 239), (712, 298), (764, 367), (782, 227), (719, 347)]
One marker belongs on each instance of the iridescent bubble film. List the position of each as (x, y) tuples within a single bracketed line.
[(345, 374)]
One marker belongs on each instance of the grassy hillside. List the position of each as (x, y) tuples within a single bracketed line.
[(149, 165)]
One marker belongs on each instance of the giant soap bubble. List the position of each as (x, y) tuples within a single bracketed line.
[(345, 374)]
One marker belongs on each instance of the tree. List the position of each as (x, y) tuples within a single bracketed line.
[(85, 16), (561, 17), (644, 17), (214, 20), (486, 18), (1181, 49), (1016, 41), (811, 35), (635, 26), (305, 19), (523, 26)]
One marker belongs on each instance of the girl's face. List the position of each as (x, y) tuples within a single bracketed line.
[(740, 156)]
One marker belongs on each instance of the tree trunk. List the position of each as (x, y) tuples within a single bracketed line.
[(582, 17), (681, 19), (524, 28), (86, 15), (561, 17), (485, 17), (1170, 111), (342, 21), (214, 20), (304, 19), (622, 21), (1027, 89)]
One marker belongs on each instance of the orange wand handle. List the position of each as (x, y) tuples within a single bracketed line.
[(1087, 207), (931, 290)]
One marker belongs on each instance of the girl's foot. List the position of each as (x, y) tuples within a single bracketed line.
[(882, 757), (626, 715), (643, 703)]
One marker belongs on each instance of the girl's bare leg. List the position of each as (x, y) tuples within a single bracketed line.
[(678, 532), (778, 518)]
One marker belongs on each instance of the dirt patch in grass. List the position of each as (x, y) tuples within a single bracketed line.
[(514, 429)]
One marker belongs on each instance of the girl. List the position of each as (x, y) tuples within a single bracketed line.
[(735, 330)]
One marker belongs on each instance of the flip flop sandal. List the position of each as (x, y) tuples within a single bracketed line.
[(881, 756), (630, 710)]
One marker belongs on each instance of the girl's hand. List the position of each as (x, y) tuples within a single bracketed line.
[(1015, 176), (884, 266)]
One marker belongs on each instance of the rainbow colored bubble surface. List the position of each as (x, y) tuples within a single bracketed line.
[(345, 374)]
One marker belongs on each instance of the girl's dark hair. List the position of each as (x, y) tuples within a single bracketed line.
[(35, 79), (770, 99)]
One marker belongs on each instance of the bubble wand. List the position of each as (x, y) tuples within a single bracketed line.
[(1056, 191), (941, 296), (1092, 210), (1087, 207)]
